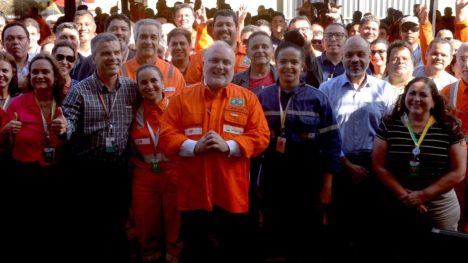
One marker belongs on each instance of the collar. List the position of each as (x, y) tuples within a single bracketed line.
[(102, 87)]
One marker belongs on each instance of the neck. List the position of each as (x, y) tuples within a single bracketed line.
[(181, 64), (419, 118), (84, 47), (109, 81), (259, 70), (398, 81), (147, 60), (335, 58), (358, 80), (433, 73), (20, 62), (4, 92), (288, 85), (379, 70), (277, 35)]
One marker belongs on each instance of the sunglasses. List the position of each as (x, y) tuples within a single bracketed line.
[(60, 57), (413, 29)]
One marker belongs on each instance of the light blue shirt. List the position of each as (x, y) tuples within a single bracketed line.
[(358, 111)]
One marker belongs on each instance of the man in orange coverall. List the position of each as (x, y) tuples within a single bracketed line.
[(214, 127)]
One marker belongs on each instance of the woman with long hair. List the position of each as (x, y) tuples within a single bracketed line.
[(419, 155)]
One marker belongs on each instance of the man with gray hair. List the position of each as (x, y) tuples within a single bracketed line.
[(99, 113), (458, 99), (147, 41), (369, 28), (214, 128)]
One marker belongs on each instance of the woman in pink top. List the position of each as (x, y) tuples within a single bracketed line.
[(33, 136)]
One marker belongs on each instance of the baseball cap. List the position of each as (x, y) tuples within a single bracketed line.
[(409, 19)]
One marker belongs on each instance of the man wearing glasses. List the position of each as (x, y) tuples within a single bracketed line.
[(331, 59)]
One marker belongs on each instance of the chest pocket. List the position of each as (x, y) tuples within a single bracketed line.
[(307, 127), (235, 119)]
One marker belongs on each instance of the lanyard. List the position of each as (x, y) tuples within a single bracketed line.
[(417, 143), (155, 137), (5, 103), (283, 113), (108, 111), (44, 120)]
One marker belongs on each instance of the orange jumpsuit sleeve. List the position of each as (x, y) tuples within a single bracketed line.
[(461, 31), (194, 71), (203, 39), (426, 37)]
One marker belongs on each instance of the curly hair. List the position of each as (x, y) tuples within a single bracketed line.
[(441, 112)]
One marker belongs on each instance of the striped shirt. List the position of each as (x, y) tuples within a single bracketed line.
[(434, 158), (89, 123)]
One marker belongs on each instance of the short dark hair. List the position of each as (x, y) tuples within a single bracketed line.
[(12, 24), (399, 44), (226, 12), (179, 31), (118, 17)]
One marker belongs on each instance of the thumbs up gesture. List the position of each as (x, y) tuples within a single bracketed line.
[(14, 126), (59, 124)]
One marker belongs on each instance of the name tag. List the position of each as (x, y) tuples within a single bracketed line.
[(193, 131), (169, 89), (233, 129), (143, 141)]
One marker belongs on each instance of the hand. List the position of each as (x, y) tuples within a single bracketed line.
[(334, 11), (413, 199), (14, 126), (211, 141), (59, 124), (241, 13), (460, 10), (423, 12), (200, 15), (358, 173)]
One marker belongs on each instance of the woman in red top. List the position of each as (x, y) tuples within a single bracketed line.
[(154, 190), (33, 133)]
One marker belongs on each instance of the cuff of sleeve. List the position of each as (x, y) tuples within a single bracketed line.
[(187, 149), (234, 149)]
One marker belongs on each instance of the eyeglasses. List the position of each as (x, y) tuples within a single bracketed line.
[(60, 57), (413, 29), (336, 35), (379, 51)]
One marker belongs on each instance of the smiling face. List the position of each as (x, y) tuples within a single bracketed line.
[(65, 57), (224, 28), (439, 56), (6, 74), (42, 74), (419, 99), (260, 50), (184, 18), (378, 54), (289, 63), (108, 58), (150, 84), (218, 66), (121, 30), (400, 64), (86, 27), (179, 48), (356, 57), (147, 41)]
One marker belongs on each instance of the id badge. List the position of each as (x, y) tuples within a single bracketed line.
[(49, 154), (110, 144), (414, 168), (155, 168), (280, 144)]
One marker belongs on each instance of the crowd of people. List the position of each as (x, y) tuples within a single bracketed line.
[(199, 135)]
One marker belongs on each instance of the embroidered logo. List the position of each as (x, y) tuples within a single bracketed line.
[(236, 102)]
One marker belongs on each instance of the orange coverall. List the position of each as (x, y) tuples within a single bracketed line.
[(172, 78), (214, 178), (154, 195)]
